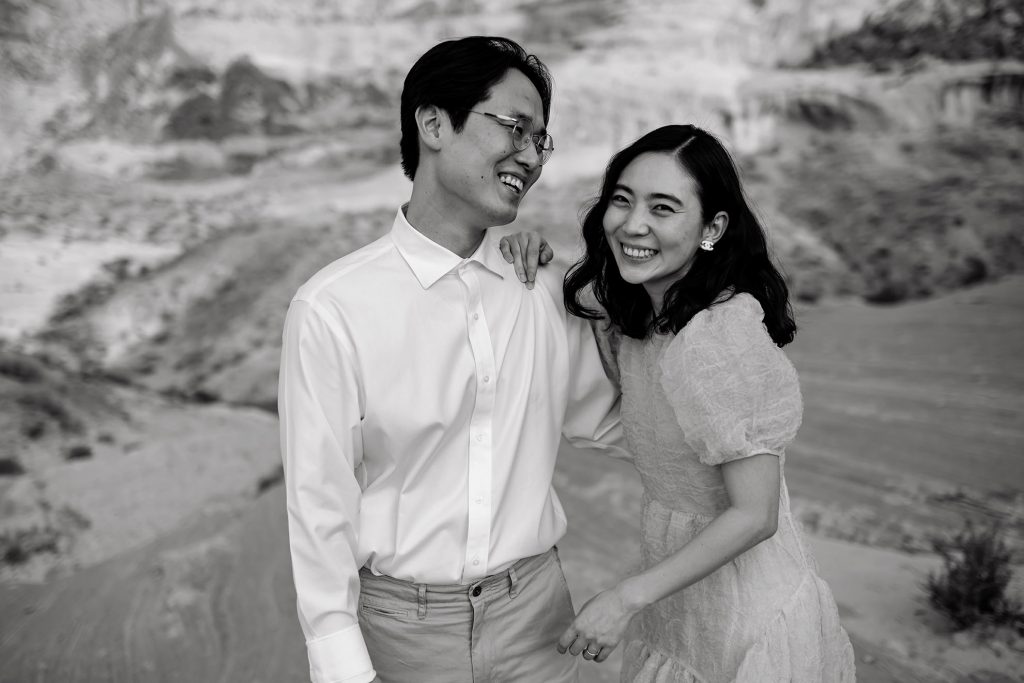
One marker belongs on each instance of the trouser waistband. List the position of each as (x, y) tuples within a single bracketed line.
[(423, 593)]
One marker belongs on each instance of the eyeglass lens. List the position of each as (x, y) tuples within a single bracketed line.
[(543, 143)]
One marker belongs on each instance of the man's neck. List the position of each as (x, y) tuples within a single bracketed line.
[(449, 231)]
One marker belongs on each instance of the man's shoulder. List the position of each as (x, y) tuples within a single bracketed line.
[(548, 280), (348, 274)]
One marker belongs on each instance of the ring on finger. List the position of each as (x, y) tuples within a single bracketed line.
[(589, 654)]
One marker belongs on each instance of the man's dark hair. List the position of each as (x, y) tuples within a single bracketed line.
[(739, 262), (458, 74)]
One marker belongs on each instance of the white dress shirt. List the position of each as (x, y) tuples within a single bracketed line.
[(422, 399)]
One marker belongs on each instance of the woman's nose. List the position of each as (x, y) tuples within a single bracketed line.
[(636, 223)]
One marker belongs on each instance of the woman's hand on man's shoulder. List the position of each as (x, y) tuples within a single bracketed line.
[(526, 250)]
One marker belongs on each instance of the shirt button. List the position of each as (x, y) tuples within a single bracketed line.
[(487, 378), (476, 561), (476, 316), (476, 591), (479, 437)]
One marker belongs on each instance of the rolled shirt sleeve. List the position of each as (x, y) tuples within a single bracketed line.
[(319, 404), (592, 411)]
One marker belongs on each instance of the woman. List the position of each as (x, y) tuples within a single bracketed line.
[(696, 315)]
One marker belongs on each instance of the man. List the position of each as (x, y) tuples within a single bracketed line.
[(422, 397)]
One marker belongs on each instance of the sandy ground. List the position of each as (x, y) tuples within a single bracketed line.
[(212, 598)]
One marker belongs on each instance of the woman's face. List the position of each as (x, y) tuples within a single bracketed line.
[(653, 223)]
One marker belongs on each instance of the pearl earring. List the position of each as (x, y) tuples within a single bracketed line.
[(707, 245)]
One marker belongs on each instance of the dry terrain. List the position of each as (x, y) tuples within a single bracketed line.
[(170, 178)]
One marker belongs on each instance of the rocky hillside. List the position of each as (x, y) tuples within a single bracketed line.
[(257, 141), (912, 30)]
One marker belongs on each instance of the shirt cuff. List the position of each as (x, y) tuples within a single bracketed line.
[(340, 658)]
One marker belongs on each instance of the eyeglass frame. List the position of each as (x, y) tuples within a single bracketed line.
[(536, 138)]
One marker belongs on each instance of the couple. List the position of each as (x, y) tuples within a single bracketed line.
[(424, 391)]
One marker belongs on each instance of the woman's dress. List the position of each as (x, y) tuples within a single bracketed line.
[(718, 391)]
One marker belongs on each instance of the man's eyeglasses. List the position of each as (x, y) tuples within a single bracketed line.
[(521, 137)]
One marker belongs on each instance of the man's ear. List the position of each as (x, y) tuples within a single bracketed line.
[(430, 120)]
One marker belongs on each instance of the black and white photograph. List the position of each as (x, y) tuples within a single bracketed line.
[(534, 341)]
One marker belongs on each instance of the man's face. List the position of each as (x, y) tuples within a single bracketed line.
[(482, 174)]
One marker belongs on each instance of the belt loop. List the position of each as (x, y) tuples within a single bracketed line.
[(421, 601), (513, 582)]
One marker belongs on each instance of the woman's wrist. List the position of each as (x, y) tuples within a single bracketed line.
[(632, 594)]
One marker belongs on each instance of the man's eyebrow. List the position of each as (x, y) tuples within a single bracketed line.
[(527, 118)]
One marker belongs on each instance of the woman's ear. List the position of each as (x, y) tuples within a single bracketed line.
[(716, 228), (429, 122)]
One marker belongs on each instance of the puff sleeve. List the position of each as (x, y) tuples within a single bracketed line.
[(733, 391)]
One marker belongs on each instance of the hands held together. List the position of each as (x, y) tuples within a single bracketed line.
[(598, 628)]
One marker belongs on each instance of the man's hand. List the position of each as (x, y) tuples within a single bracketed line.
[(526, 250)]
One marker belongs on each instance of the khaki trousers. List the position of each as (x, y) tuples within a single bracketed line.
[(500, 629)]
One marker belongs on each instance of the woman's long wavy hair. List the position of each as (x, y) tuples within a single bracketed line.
[(739, 262)]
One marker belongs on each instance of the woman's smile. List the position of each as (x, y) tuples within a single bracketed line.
[(638, 254)]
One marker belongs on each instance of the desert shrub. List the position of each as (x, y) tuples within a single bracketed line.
[(16, 547), (78, 452), (10, 467), (33, 428), (72, 305), (270, 480), (42, 404), (976, 570), (19, 369)]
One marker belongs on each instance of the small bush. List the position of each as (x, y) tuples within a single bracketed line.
[(10, 467), (34, 428), (18, 546), (79, 452), (971, 588), (19, 369), (43, 404), (270, 480)]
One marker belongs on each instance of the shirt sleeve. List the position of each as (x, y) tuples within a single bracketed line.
[(592, 413), (608, 339), (733, 391), (321, 448)]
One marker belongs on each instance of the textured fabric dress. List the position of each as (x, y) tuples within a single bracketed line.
[(717, 391)]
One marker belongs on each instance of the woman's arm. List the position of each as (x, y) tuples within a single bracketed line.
[(753, 485)]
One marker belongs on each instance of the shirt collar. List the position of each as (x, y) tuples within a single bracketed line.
[(429, 261)]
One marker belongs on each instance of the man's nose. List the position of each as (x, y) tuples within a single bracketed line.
[(529, 158)]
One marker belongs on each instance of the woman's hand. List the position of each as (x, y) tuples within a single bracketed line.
[(527, 250), (599, 627)]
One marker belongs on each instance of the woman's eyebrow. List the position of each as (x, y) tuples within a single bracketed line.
[(665, 195)]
